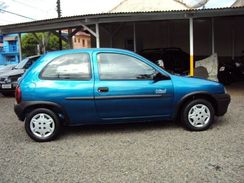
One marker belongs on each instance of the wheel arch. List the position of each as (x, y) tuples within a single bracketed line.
[(61, 114), (192, 96)]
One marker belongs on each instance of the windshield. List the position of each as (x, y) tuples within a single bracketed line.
[(26, 63), (21, 64)]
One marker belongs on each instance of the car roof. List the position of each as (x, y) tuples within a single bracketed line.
[(54, 54), (88, 50)]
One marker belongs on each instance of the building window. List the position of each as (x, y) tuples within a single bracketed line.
[(12, 46)]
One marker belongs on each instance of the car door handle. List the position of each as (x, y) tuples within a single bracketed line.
[(102, 89)]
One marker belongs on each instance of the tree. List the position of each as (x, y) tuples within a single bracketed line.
[(29, 43)]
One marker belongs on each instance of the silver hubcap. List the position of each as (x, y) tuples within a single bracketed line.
[(199, 115), (42, 125)]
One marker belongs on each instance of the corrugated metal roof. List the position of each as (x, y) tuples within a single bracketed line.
[(76, 20), (129, 12)]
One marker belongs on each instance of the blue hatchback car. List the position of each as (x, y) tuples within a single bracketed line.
[(94, 86)]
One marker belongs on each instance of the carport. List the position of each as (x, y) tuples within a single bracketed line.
[(200, 32)]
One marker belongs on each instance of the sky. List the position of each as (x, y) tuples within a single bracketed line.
[(45, 9)]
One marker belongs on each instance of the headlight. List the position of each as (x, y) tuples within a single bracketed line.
[(18, 79), (14, 78), (238, 64), (222, 68), (7, 80)]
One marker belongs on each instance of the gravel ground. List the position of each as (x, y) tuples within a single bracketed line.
[(148, 152)]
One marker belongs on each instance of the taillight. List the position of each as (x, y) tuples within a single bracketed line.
[(18, 94)]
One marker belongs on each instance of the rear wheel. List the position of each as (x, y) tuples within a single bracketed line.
[(42, 125), (197, 115)]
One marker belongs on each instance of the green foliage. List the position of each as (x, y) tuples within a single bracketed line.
[(29, 43)]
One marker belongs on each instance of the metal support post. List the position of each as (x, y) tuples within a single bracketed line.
[(134, 36), (97, 36), (43, 43), (20, 46), (60, 40), (191, 47), (70, 41), (213, 38)]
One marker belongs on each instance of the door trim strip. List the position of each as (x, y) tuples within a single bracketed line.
[(79, 98), (119, 97)]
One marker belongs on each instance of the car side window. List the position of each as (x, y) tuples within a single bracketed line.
[(68, 67), (123, 67), (29, 63)]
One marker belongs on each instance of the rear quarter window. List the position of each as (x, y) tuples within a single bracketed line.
[(68, 67)]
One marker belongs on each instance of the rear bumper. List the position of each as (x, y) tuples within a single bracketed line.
[(222, 103), (24, 107), (19, 111)]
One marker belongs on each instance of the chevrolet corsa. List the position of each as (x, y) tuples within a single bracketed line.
[(94, 86)]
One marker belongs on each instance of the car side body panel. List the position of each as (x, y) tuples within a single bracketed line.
[(125, 101)]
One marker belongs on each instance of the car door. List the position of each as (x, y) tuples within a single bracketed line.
[(68, 81), (125, 88)]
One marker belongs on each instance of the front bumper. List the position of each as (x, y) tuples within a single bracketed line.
[(8, 87), (222, 103)]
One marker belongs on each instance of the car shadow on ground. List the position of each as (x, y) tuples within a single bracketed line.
[(219, 122), (7, 96), (86, 130), (236, 89), (119, 128)]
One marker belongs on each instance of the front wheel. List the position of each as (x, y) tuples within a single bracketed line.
[(42, 125), (198, 115)]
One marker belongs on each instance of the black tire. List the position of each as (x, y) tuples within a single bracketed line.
[(188, 107), (56, 125)]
